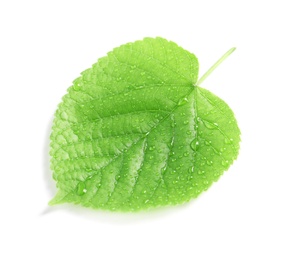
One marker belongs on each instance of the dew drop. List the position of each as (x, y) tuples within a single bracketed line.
[(173, 124), (77, 87), (209, 163), (207, 142), (200, 172), (222, 149), (151, 148), (225, 162), (228, 140), (210, 125), (191, 169), (182, 101), (81, 189), (194, 144)]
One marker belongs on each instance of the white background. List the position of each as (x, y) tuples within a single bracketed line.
[(246, 215)]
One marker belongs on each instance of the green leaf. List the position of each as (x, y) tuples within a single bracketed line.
[(134, 131)]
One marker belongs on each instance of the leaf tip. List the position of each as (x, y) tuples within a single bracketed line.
[(57, 199)]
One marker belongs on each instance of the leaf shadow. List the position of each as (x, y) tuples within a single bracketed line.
[(121, 218), (47, 173)]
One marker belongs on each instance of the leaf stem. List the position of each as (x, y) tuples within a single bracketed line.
[(216, 64)]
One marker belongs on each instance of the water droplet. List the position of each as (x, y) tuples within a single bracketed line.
[(164, 168), (77, 87), (194, 144), (228, 140), (207, 142), (188, 132), (210, 125), (186, 122), (222, 149), (146, 201), (225, 162), (151, 157), (151, 148), (216, 152), (186, 154), (182, 101), (209, 163), (81, 189), (144, 191), (200, 172), (191, 169), (142, 73)]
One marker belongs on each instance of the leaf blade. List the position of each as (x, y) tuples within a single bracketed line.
[(122, 136)]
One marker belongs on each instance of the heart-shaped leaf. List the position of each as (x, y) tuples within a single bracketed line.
[(135, 131)]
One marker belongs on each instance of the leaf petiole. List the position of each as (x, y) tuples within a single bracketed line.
[(216, 64)]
